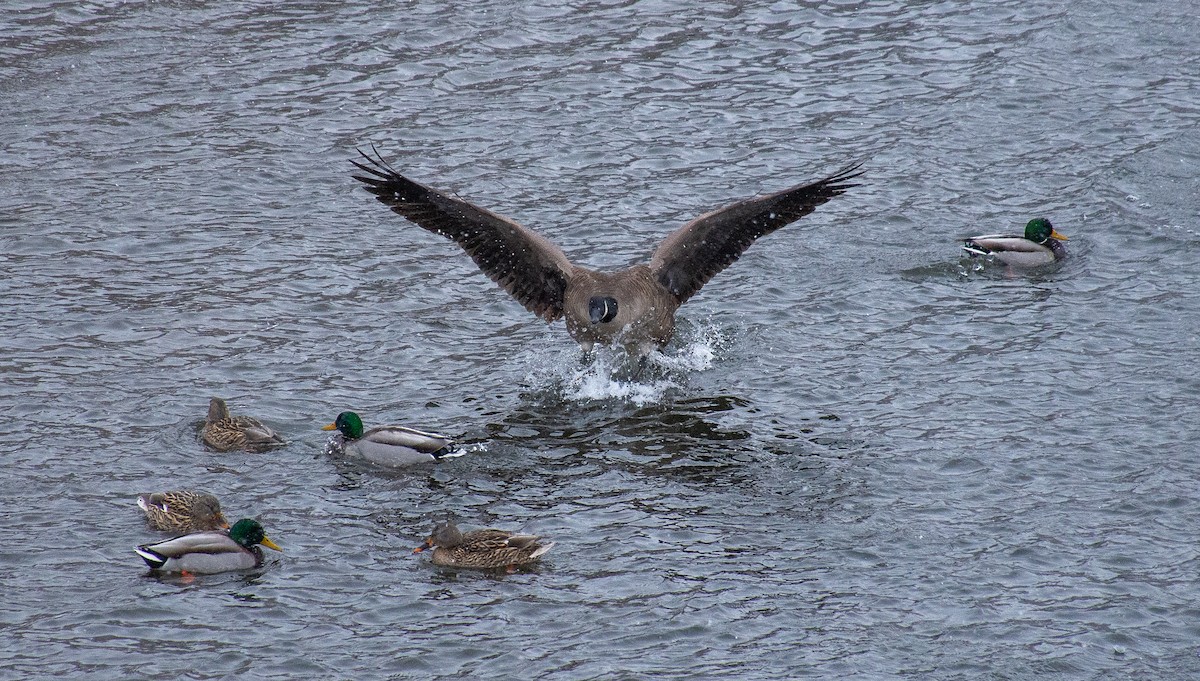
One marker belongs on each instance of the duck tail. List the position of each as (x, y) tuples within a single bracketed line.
[(154, 559), (542, 550)]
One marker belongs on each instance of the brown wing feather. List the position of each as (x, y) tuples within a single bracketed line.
[(527, 265), (696, 252), (490, 540), (492, 549)]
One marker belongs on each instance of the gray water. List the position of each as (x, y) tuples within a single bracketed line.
[(863, 456)]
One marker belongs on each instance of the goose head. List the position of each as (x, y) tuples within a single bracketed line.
[(602, 309)]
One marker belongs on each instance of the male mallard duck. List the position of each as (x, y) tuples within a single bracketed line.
[(182, 511), (225, 433), (483, 549), (634, 307), (210, 552), (1041, 245), (386, 445)]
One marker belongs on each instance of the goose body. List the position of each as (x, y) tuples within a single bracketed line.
[(1041, 244), (209, 552), (226, 433), (182, 511), (483, 549), (392, 446), (635, 307)]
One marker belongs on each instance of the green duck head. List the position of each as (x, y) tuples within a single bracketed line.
[(1040, 229), (248, 532), (349, 424)]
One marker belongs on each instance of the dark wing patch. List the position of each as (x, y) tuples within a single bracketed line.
[(522, 541), (696, 252), (527, 265)]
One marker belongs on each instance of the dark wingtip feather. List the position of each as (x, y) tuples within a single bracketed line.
[(522, 262), (840, 181), (153, 558), (379, 168)]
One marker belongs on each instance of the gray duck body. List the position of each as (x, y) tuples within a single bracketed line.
[(209, 552), (1041, 244), (390, 446)]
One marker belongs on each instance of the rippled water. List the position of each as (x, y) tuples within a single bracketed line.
[(862, 456)]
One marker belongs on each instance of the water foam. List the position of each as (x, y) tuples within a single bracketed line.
[(608, 374)]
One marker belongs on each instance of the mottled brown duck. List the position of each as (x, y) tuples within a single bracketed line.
[(226, 433), (182, 511), (482, 549)]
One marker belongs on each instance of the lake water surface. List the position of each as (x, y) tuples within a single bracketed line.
[(863, 456)]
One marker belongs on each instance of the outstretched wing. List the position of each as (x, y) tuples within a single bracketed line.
[(696, 252), (527, 265)]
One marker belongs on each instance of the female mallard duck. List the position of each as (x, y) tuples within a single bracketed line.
[(386, 445), (210, 552), (226, 433), (483, 549), (182, 511), (1041, 245)]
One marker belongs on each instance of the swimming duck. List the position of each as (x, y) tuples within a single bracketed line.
[(1040, 245), (210, 552), (482, 549), (386, 445), (225, 433), (182, 511), (635, 307)]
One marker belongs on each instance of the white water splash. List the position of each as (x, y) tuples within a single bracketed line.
[(601, 380), (463, 450), (611, 375)]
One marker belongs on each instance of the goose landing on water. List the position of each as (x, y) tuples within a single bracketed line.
[(634, 307)]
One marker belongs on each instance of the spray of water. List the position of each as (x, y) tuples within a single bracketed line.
[(609, 374)]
